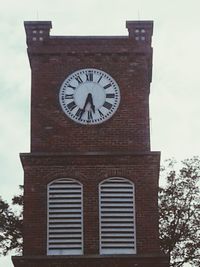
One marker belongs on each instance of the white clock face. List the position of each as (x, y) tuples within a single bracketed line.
[(89, 96)]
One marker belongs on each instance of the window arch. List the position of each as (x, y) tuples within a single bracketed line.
[(65, 217), (117, 216)]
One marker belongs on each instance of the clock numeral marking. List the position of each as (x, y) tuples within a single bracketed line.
[(107, 86), (107, 105), (79, 80), (71, 105), (79, 113), (71, 96), (110, 95), (89, 76), (100, 79), (73, 87), (90, 117), (100, 113)]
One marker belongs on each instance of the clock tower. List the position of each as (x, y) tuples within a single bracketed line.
[(90, 179)]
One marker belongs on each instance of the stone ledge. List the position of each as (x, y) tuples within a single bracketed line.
[(155, 260), (89, 158)]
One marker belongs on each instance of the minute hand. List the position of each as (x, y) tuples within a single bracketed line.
[(92, 104), (87, 101)]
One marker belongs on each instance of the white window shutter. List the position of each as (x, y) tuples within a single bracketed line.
[(117, 216), (65, 218)]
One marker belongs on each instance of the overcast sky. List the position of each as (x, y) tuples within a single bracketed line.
[(175, 89)]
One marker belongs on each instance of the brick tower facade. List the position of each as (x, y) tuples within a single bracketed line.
[(90, 179)]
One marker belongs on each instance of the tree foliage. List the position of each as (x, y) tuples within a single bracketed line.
[(11, 225), (179, 209)]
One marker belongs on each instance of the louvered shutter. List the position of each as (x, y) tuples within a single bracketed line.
[(65, 218), (117, 216)]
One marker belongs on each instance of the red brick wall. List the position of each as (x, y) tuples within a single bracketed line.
[(61, 148), (90, 170), (124, 60)]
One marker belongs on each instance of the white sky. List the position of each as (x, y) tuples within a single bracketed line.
[(175, 89)]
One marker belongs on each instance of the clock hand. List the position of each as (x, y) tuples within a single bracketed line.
[(92, 104), (87, 101)]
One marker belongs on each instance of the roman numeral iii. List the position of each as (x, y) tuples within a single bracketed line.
[(110, 95)]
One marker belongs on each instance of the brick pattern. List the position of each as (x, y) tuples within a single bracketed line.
[(142, 170), (119, 147), (127, 61), (53, 131)]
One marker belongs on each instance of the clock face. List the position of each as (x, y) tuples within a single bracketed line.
[(89, 96)]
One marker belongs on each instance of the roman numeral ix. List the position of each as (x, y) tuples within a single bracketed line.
[(71, 96)]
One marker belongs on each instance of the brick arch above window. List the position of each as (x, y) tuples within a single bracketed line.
[(117, 216), (65, 217)]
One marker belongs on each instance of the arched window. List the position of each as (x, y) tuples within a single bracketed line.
[(65, 218), (117, 216)]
